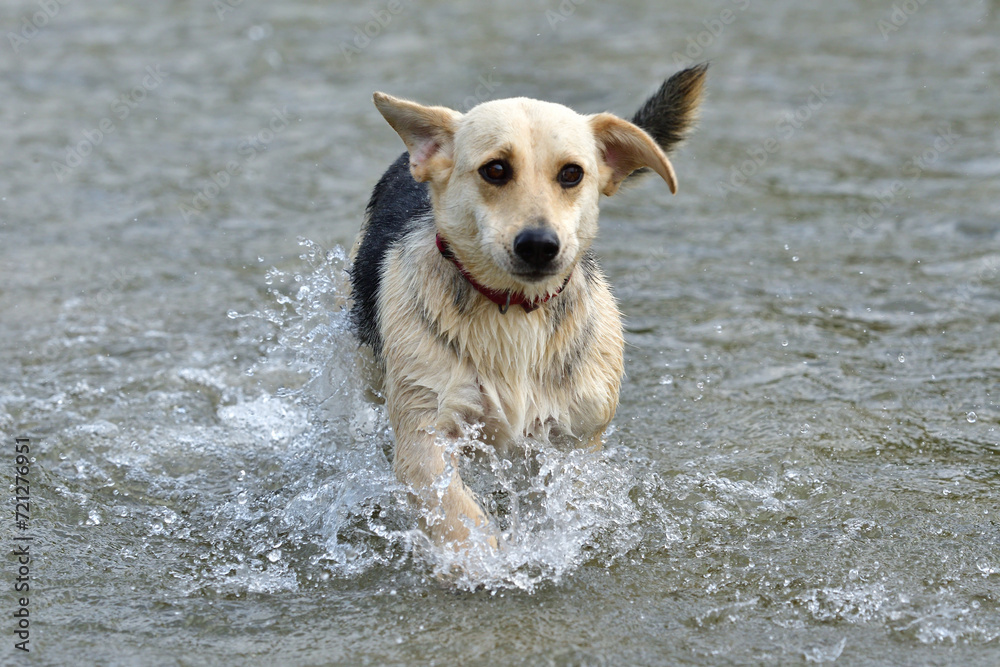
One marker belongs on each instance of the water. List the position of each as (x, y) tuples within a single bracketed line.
[(804, 465)]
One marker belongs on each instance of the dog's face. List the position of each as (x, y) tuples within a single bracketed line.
[(515, 183)]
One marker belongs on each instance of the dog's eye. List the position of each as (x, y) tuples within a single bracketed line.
[(496, 172), (570, 175)]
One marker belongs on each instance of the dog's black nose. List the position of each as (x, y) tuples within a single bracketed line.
[(536, 246)]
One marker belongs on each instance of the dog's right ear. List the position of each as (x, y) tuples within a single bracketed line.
[(428, 133)]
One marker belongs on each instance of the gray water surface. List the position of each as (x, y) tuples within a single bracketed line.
[(805, 465)]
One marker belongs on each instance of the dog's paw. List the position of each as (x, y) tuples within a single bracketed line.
[(470, 563)]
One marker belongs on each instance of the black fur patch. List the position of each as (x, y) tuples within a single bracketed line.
[(561, 306), (558, 310), (462, 291), (580, 345), (435, 331), (588, 264), (396, 203)]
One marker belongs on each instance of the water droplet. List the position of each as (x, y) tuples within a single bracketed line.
[(667, 379), (241, 498), (795, 258), (274, 555), (971, 417), (256, 33), (902, 359), (784, 343)]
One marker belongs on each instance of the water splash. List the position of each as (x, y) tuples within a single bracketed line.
[(341, 508)]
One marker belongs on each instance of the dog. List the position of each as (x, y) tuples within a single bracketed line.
[(475, 288)]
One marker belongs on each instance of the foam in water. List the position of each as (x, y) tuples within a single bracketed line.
[(554, 509)]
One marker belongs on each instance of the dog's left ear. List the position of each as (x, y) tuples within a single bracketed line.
[(624, 148), (428, 133)]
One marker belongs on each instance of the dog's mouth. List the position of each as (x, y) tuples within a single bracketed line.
[(535, 275)]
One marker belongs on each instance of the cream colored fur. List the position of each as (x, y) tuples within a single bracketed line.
[(553, 373)]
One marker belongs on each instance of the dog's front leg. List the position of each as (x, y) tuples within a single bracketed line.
[(424, 461), (427, 430)]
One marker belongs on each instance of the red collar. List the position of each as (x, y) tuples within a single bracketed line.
[(503, 299)]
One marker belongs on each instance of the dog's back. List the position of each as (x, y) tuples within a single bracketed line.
[(397, 204)]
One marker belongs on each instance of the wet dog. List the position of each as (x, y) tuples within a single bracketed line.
[(475, 287)]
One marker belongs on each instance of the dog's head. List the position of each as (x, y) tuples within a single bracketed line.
[(515, 183)]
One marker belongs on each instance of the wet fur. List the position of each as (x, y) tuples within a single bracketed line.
[(449, 357)]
